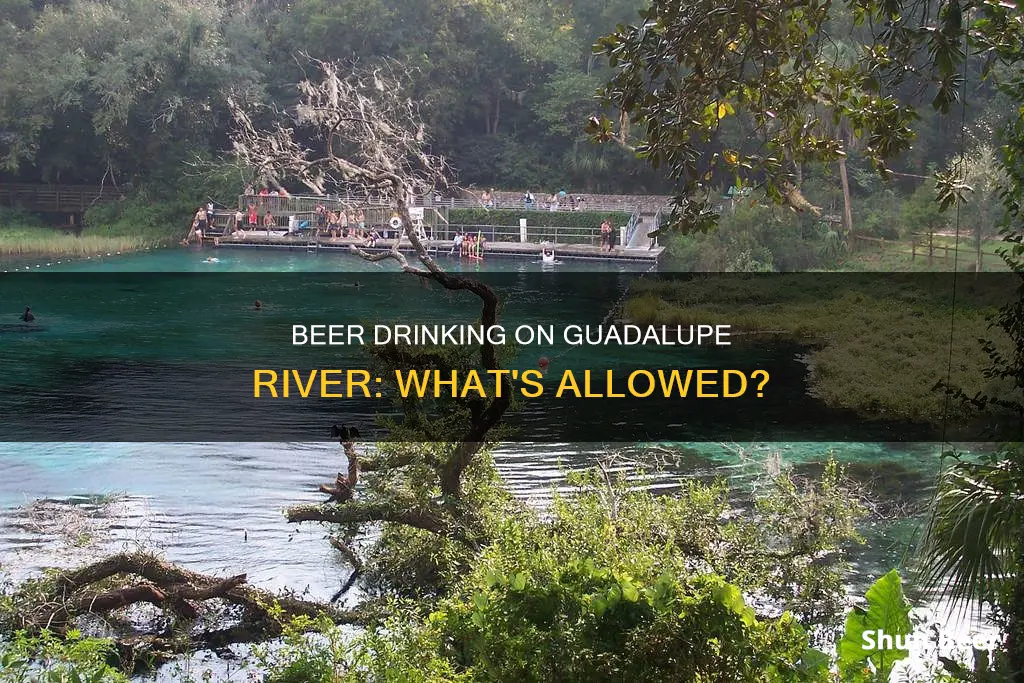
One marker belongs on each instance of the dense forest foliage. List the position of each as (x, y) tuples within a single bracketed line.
[(128, 91)]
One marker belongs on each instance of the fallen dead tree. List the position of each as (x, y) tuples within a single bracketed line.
[(107, 587)]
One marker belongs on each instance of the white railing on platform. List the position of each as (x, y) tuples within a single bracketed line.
[(535, 234), (517, 204), (308, 203)]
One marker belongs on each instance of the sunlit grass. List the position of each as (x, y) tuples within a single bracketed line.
[(897, 256), (26, 242)]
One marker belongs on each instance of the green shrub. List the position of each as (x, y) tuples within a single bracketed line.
[(18, 218), (750, 237), (141, 216), (619, 584), (48, 659)]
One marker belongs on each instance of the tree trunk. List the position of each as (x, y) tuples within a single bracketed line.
[(979, 260), (497, 114), (847, 211)]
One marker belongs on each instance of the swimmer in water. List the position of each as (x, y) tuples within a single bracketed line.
[(27, 315), (213, 259), (258, 305)]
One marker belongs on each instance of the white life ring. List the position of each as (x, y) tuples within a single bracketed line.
[(395, 222)]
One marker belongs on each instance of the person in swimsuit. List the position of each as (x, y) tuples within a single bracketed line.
[(199, 224)]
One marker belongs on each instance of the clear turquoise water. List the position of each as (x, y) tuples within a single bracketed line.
[(218, 507), (249, 259)]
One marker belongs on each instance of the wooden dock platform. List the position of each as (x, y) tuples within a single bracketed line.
[(277, 240)]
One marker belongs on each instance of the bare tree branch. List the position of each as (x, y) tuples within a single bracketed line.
[(368, 131), (352, 512)]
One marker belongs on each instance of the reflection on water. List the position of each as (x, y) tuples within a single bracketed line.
[(218, 507)]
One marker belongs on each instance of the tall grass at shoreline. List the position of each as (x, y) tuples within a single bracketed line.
[(21, 242), (124, 226)]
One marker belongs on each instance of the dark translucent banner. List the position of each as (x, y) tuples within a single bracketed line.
[(600, 357)]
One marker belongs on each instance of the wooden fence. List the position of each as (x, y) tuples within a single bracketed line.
[(924, 246), (55, 198)]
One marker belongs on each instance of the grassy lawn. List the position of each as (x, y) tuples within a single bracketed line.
[(896, 257), (877, 344)]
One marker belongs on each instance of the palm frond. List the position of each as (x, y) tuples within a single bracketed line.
[(973, 533)]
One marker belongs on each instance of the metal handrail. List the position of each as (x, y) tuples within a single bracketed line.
[(632, 225), (535, 234)]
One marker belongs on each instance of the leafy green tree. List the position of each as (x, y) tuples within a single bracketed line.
[(685, 68), (116, 89), (617, 583)]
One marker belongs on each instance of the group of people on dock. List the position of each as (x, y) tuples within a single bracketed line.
[(348, 220), (470, 245), (203, 220), (342, 223)]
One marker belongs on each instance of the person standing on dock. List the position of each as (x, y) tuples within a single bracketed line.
[(321, 217), (254, 218), (198, 225), (606, 234)]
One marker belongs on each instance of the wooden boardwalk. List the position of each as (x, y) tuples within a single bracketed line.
[(261, 238), (71, 199)]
